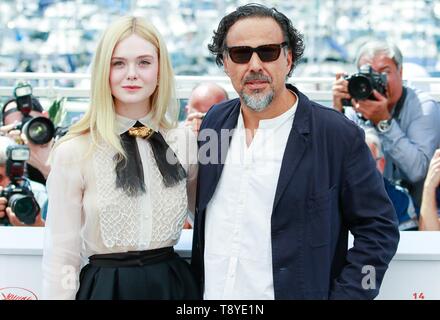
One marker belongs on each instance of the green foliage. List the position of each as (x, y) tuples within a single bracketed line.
[(57, 112)]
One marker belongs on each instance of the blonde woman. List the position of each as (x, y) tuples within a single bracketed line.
[(120, 181)]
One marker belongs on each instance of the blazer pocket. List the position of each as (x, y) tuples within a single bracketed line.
[(318, 218)]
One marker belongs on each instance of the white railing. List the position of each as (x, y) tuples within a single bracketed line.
[(316, 88)]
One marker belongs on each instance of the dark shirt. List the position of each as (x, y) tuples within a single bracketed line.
[(35, 175)]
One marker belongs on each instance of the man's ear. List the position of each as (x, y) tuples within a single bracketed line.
[(225, 65), (225, 68), (290, 59)]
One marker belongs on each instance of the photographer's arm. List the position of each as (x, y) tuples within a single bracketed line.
[(410, 150), (38, 157), (39, 154)]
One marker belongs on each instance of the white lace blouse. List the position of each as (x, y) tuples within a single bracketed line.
[(88, 215)]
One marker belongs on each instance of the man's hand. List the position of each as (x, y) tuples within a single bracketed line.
[(194, 120), (10, 131), (432, 180), (3, 205), (187, 225), (340, 91), (373, 110)]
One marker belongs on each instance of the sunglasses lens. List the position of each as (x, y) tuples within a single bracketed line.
[(266, 53), (240, 54), (269, 53)]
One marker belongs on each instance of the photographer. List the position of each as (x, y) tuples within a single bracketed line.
[(202, 98), (38, 136), (35, 191), (406, 119)]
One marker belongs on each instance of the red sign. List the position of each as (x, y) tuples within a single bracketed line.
[(15, 293)]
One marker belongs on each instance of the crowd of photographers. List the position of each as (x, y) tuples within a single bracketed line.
[(27, 136)]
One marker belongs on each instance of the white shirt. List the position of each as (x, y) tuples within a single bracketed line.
[(88, 215), (238, 250)]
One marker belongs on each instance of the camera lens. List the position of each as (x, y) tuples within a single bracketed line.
[(39, 130), (25, 208), (360, 87)]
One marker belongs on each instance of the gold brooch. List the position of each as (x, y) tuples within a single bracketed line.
[(141, 132)]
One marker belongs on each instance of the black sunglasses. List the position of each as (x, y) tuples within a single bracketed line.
[(266, 53)]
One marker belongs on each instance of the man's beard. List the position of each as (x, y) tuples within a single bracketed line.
[(255, 100)]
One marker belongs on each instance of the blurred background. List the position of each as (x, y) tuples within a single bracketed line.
[(60, 36)]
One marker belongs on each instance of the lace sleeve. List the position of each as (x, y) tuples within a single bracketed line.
[(62, 243)]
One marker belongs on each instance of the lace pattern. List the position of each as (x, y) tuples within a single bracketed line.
[(126, 221), (119, 215), (169, 206)]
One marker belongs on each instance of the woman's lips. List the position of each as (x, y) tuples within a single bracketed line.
[(131, 88)]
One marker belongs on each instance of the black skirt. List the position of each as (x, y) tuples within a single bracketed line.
[(158, 274)]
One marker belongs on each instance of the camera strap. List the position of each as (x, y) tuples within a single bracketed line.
[(395, 113)]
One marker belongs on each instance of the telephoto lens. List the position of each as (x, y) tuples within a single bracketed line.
[(39, 130), (25, 207), (360, 87), (362, 84)]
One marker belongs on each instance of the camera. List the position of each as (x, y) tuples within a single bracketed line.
[(362, 84), (20, 197), (38, 130)]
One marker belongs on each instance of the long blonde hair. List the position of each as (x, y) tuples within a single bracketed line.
[(99, 120)]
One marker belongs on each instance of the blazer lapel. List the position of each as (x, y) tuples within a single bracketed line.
[(296, 144), (213, 171)]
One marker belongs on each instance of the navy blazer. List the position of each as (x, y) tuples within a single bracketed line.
[(328, 185)]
